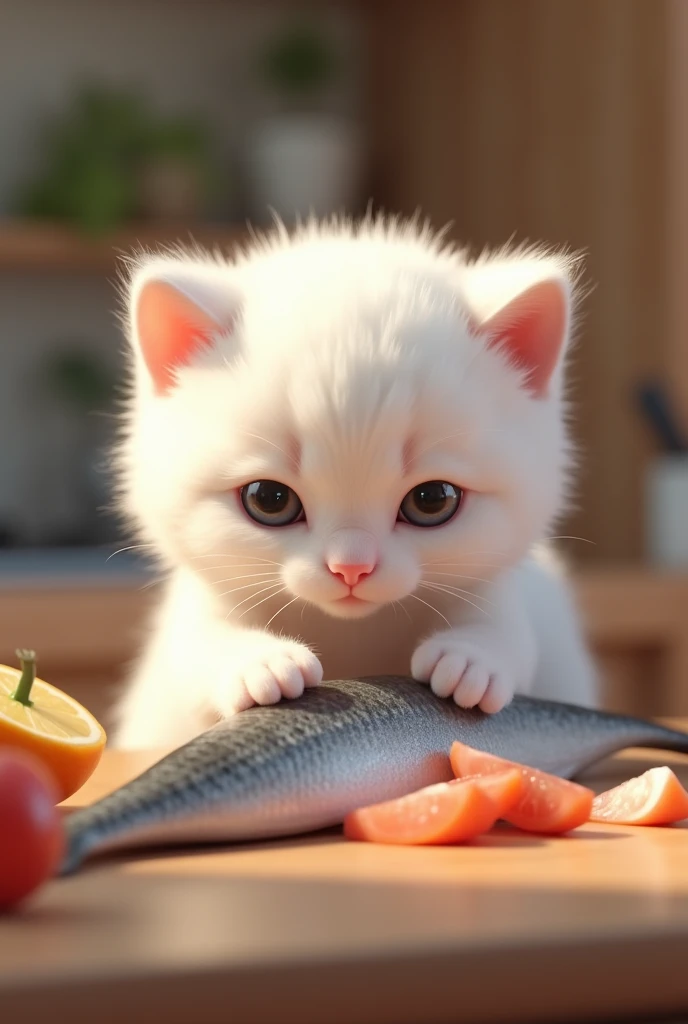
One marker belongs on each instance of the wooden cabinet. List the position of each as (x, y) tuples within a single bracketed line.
[(563, 121)]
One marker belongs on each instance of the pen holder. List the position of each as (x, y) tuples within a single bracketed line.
[(666, 511)]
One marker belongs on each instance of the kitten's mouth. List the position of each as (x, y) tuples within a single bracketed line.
[(351, 607), (351, 601)]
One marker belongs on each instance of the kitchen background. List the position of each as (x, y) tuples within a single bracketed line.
[(141, 123)]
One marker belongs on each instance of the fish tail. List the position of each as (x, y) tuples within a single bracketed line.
[(76, 850), (667, 739)]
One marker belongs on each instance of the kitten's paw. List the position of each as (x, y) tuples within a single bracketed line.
[(271, 670), (459, 664)]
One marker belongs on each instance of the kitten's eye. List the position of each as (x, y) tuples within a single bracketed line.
[(271, 503), (430, 504)]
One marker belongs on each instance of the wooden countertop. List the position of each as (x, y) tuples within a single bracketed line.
[(512, 928)]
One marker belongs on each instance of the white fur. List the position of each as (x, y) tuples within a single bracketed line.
[(346, 345)]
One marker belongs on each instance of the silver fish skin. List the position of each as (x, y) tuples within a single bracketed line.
[(303, 765)]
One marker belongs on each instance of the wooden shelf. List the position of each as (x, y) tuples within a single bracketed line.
[(41, 247)]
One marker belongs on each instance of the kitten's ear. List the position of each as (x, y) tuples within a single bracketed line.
[(169, 328), (532, 329)]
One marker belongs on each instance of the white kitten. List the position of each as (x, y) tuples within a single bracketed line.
[(344, 446)]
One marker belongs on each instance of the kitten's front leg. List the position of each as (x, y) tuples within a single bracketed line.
[(485, 658), (257, 667), (197, 668)]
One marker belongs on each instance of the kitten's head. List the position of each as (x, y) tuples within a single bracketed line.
[(347, 414)]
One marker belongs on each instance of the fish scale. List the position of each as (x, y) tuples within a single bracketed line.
[(303, 765)]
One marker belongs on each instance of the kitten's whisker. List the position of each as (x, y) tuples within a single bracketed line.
[(284, 606), (442, 588), (267, 440), (466, 565), (253, 607), (403, 608), (583, 540), (458, 597), (131, 547), (270, 586), (475, 551), (235, 565), (489, 551), (470, 559), (152, 583), (230, 568), (244, 576), (225, 555), (431, 607), (245, 586), (259, 437), (461, 576), (456, 589)]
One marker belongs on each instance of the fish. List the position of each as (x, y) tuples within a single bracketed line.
[(302, 765)]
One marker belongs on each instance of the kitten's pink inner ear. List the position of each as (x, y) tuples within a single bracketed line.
[(171, 329), (531, 329)]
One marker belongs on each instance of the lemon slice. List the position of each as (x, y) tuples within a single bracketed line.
[(49, 724)]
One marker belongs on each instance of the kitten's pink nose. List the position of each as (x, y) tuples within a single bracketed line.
[(351, 574)]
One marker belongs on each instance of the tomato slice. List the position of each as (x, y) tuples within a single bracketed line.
[(654, 798), (31, 832), (448, 812), (547, 804)]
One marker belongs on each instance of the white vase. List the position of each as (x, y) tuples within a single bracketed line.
[(666, 497), (302, 164)]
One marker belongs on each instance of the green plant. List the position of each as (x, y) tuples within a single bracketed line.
[(178, 137), (78, 379), (299, 62), (91, 153), (183, 142), (94, 154)]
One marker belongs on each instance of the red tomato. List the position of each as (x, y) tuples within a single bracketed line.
[(31, 833), (548, 804), (654, 798), (448, 812)]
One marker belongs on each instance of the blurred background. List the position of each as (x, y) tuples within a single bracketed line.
[(146, 122)]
